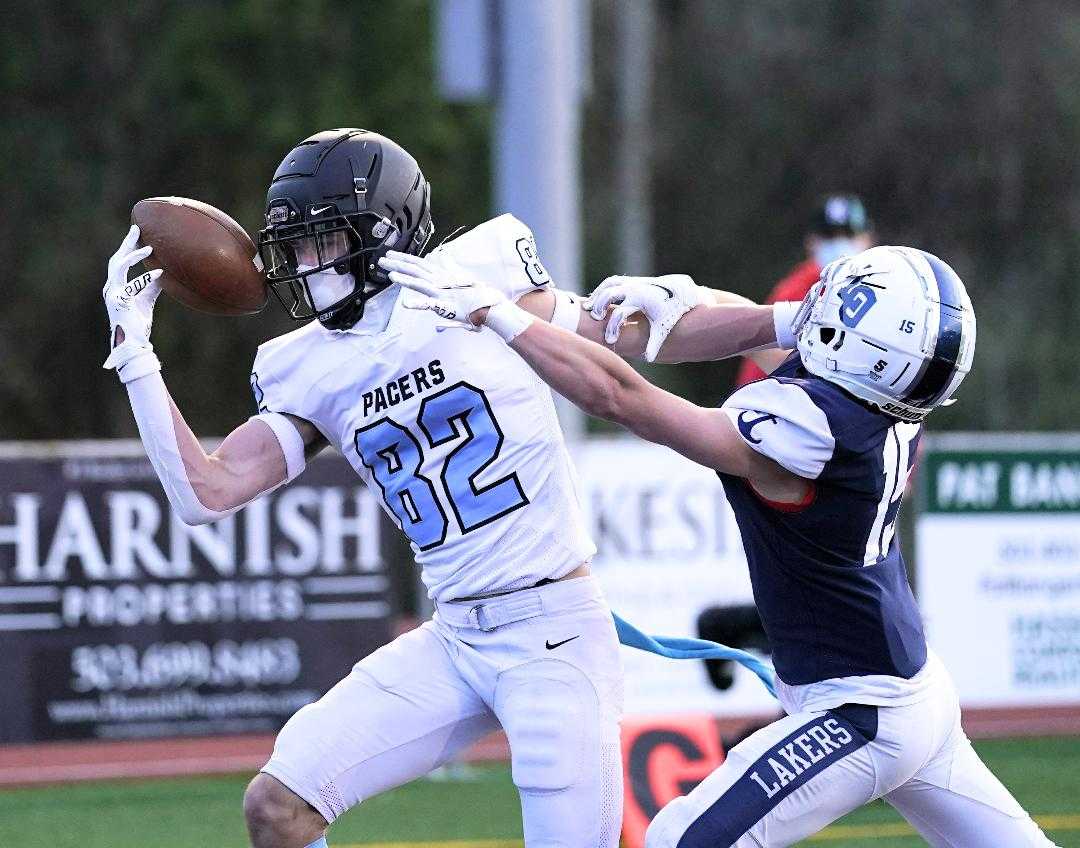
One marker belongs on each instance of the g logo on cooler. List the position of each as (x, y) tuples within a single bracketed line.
[(856, 300)]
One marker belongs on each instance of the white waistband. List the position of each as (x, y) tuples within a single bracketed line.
[(880, 690), (491, 613)]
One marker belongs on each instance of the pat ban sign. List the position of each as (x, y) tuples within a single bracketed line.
[(998, 565), (1045, 479)]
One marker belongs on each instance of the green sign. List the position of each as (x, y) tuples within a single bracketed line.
[(1000, 481)]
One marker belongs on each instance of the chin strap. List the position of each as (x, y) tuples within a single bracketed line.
[(343, 317)]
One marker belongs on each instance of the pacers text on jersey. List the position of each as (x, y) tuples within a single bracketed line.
[(402, 388)]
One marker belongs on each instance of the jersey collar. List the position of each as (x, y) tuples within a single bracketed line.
[(377, 313)]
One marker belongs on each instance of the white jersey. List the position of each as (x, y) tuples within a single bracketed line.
[(452, 429)]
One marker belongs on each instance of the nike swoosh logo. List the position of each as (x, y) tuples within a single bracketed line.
[(552, 647), (319, 211), (670, 293)]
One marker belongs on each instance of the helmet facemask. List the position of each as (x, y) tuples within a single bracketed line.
[(302, 260)]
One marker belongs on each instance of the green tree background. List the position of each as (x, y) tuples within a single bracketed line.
[(959, 123)]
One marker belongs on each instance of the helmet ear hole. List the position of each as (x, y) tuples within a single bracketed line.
[(826, 334)]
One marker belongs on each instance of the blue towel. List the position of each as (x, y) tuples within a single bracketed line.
[(678, 648)]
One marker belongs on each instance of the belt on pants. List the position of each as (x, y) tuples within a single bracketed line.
[(488, 614)]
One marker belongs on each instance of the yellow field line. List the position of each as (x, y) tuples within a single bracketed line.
[(862, 831), (888, 829), (835, 832), (1059, 822)]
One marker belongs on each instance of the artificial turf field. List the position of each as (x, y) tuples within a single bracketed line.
[(463, 807)]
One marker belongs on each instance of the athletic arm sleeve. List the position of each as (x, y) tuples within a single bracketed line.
[(781, 421)]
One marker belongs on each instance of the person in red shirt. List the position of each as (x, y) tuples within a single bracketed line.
[(839, 227)]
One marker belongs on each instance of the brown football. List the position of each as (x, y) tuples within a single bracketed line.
[(207, 256)]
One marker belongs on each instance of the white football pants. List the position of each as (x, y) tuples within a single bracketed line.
[(543, 663), (789, 780)]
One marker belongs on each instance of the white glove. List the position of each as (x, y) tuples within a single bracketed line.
[(453, 299), (130, 304), (664, 300)]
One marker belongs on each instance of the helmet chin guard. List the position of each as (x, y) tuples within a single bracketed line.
[(893, 326), (338, 202)]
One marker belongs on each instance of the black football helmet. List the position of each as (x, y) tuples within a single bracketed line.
[(339, 201)]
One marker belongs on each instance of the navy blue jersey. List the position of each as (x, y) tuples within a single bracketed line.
[(828, 577)]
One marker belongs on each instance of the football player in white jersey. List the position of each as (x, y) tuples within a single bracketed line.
[(813, 460), (459, 438)]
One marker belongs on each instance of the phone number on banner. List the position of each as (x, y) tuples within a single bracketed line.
[(166, 665)]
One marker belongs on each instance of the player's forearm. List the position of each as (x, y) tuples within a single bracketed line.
[(769, 360), (551, 305), (196, 463), (588, 375), (731, 326), (708, 332), (726, 298), (602, 384)]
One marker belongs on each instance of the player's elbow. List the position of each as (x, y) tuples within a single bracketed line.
[(218, 487), (614, 401), (193, 512), (203, 502), (192, 517), (600, 402), (218, 498)]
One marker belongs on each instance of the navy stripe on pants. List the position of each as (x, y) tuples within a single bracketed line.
[(787, 765)]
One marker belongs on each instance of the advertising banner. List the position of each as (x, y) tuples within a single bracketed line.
[(998, 565), (118, 621), (668, 549)]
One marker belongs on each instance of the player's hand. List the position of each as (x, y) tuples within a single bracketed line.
[(130, 303), (663, 300), (453, 299)]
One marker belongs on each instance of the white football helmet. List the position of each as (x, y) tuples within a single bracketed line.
[(891, 325)]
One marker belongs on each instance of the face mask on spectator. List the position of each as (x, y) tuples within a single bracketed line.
[(828, 250)]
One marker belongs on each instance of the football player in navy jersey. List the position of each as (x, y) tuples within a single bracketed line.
[(814, 460)]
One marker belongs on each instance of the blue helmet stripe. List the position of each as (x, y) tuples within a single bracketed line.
[(936, 377)]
